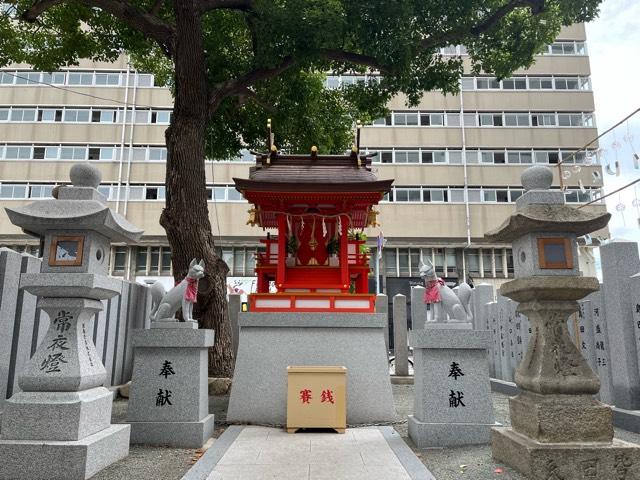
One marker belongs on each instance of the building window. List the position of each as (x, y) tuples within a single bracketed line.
[(485, 83), (490, 119), (472, 258), (498, 258), (403, 262), (141, 260), (439, 261), (390, 267), (165, 266), (119, 260), (487, 267), (516, 83)]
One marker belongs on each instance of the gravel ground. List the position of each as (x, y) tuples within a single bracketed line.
[(164, 463)]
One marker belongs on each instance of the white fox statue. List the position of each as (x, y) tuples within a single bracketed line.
[(455, 304), (164, 305)]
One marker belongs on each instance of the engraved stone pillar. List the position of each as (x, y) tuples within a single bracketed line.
[(382, 306), (235, 305), (400, 348)]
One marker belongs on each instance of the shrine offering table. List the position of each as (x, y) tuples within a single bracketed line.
[(269, 342)]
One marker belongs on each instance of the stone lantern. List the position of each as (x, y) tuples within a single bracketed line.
[(59, 425), (558, 429)]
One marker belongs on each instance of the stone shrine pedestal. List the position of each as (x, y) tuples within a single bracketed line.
[(169, 400), (270, 342), (452, 390)]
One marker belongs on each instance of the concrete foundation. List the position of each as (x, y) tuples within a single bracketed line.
[(269, 342)]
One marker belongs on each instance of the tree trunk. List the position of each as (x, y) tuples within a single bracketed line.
[(185, 217)]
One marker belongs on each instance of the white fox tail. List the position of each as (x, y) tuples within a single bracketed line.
[(157, 292)]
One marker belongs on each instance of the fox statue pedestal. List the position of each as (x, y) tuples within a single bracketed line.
[(169, 399)]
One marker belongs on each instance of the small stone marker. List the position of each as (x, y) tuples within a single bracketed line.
[(620, 261), (452, 392), (316, 397), (400, 349), (601, 346), (168, 400)]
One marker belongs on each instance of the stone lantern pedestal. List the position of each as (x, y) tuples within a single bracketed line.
[(559, 431), (59, 425), (557, 426)]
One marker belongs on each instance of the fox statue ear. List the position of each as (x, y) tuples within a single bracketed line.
[(428, 264), (201, 263), (193, 263)]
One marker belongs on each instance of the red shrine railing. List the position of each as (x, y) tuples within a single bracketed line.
[(313, 287), (355, 256)]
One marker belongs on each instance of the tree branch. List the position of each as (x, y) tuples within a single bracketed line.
[(238, 85), (146, 23), (207, 5), (155, 9), (453, 36), (247, 94), (350, 57)]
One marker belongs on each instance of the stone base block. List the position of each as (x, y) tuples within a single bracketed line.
[(174, 434), (449, 325), (56, 415), (63, 460), (569, 461), (173, 323), (428, 435), (269, 342), (561, 418)]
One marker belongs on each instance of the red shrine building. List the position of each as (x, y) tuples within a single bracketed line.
[(318, 206)]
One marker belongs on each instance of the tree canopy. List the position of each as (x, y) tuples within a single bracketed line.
[(266, 58), (233, 63)]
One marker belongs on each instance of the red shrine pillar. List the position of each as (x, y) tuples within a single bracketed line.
[(282, 250), (344, 252)]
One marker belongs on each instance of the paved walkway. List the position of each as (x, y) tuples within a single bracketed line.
[(260, 453)]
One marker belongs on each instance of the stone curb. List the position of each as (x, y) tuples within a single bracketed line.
[(411, 463), (203, 467)]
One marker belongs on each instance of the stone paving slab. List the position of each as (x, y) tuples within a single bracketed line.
[(257, 453)]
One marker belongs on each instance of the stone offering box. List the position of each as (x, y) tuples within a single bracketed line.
[(168, 402), (452, 391), (316, 398)]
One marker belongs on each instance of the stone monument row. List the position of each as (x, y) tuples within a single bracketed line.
[(59, 425)]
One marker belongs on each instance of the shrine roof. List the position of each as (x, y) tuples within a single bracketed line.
[(305, 173)]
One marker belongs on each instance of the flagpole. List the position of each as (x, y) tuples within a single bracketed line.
[(377, 274)]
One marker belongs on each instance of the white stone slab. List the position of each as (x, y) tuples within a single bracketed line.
[(258, 453)]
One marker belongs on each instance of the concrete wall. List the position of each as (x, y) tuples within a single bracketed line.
[(22, 325)]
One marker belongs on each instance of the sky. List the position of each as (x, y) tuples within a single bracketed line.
[(613, 42)]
